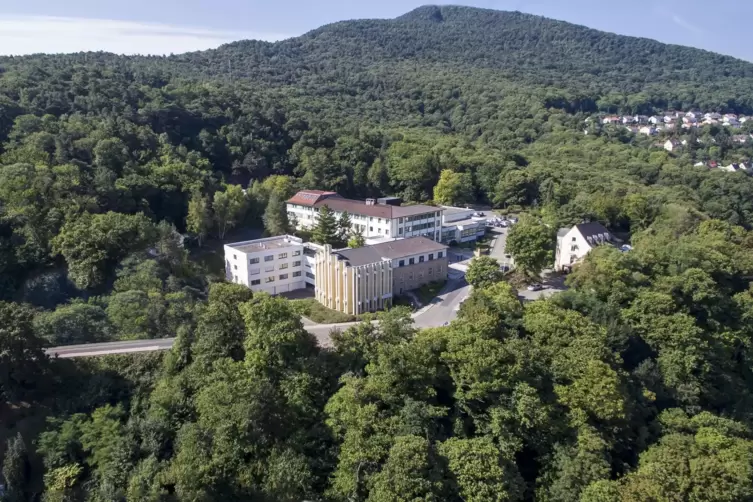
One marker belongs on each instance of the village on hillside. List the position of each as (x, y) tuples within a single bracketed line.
[(673, 124)]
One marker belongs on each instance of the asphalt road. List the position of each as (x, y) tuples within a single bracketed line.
[(442, 310)]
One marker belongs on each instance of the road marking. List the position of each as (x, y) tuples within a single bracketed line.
[(106, 352)]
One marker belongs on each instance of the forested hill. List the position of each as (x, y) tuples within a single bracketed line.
[(590, 68), (521, 45)]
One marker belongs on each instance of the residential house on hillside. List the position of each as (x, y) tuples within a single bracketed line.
[(573, 244), (672, 144), (741, 138), (648, 131)]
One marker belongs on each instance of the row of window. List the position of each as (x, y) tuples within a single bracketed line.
[(412, 261), (271, 257), (420, 275), (418, 217), (282, 277), (283, 266)]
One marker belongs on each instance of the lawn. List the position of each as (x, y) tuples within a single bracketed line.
[(425, 294), (428, 292), (312, 309)]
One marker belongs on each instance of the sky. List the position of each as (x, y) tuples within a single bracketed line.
[(175, 26)]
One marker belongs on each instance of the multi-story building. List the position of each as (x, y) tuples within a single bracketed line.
[(461, 224), (365, 279), (573, 244), (274, 265), (384, 217)]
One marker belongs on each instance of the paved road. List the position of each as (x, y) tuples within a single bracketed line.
[(442, 310)]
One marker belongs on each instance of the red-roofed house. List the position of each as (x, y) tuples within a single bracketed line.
[(384, 217)]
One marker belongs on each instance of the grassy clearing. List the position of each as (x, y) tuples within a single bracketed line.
[(312, 309)]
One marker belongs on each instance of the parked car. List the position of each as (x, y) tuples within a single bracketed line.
[(535, 287)]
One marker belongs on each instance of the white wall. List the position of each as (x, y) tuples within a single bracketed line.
[(570, 249), (284, 272), (372, 226)]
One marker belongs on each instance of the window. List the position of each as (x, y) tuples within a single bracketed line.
[(296, 274), (421, 259), (235, 257), (431, 256), (399, 220), (283, 277), (269, 257), (256, 282), (296, 264), (402, 263), (269, 279), (379, 220), (235, 267), (371, 229), (440, 254), (400, 231), (388, 231), (574, 239), (411, 261), (254, 271), (283, 266), (282, 256), (573, 248), (296, 253), (371, 218), (253, 261), (310, 275), (270, 268)]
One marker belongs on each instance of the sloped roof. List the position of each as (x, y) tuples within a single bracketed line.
[(319, 198), (311, 197)]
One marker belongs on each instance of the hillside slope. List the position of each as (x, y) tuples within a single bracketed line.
[(355, 56), (521, 47)]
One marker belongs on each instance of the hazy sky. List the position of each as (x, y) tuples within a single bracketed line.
[(165, 26)]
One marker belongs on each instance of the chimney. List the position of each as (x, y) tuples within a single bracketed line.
[(370, 202)]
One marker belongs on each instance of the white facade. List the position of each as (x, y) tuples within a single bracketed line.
[(575, 243), (462, 224), (274, 265), (426, 224)]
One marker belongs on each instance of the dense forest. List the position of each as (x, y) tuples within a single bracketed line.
[(120, 177)]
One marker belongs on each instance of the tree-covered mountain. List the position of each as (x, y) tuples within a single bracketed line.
[(120, 178)]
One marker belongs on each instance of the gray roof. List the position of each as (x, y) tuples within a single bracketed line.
[(360, 256), (375, 210), (592, 229), (279, 242), (390, 250), (449, 210)]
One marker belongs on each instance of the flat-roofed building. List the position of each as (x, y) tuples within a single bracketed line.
[(355, 281), (273, 265), (384, 217), (461, 224)]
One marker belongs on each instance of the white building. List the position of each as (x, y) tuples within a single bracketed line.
[(672, 144), (384, 217), (273, 265), (575, 243), (461, 224)]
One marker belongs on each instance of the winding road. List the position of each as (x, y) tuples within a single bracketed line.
[(442, 310)]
